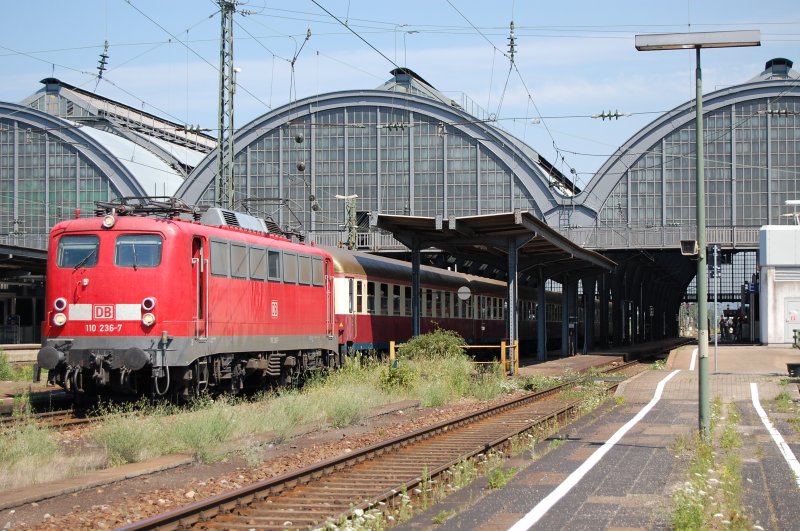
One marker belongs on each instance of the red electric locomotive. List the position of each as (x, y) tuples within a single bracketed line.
[(156, 303)]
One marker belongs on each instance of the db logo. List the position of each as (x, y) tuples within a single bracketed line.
[(103, 311)]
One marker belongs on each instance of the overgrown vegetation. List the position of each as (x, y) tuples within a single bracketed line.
[(711, 497), (432, 368), (12, 372)]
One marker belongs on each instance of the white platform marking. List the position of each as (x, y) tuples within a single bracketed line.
[(573, 479), (694, 360), (784, 448)]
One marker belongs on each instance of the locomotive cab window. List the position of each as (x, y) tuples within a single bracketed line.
[(78, 251), (138, 250)]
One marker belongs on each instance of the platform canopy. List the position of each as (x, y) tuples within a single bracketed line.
[(515, 242), (487, 238)]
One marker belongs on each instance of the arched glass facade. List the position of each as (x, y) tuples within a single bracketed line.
[(752, 161), (396, 157), (43, 179)]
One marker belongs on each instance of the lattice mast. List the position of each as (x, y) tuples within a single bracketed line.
[(223, 187)]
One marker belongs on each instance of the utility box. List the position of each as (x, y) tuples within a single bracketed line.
[(779, 283)]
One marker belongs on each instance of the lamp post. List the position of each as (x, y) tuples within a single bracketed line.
[(697, 41)]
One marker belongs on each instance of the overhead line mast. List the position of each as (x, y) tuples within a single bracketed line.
[(223, 189)]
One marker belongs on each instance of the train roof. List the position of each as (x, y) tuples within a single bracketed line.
[(380, 267)]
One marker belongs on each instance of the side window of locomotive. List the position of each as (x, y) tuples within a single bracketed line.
[(290, 268), (274, 265), (258, 263), (78, 251), (219, 258), (305, 269), (238, 260), (138, 250), (317, 271)]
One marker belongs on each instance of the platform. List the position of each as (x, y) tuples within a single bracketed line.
[(629, 484)]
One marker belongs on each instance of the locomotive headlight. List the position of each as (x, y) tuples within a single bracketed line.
[(108, 221), (148, 304), (148, 319), (59, 319), (60, 304)]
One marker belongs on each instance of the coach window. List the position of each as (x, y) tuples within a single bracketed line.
[(78, 251), (138, 250), (238, 260), (219, 258), (407, 300), (359, 296), (447, 309), (290, 268), (384, 294), (370, 297), (395, 300), (258, 263), (274, 265), (305, 269), (317, 271), (429, 303)]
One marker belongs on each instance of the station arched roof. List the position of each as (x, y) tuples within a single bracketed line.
[(532, 171), (130, 171), (762, 88)]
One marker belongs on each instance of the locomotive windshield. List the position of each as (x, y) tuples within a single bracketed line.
[(138, 250), (77, 251)]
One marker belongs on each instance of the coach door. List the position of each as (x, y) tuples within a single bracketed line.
[(329, 309), (200, 291)]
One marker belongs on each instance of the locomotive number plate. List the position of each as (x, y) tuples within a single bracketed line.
[(103, 328)]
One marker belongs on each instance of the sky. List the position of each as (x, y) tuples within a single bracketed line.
[(572, 59)]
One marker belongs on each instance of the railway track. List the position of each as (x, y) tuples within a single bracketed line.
[(65, 418), (333, 490)]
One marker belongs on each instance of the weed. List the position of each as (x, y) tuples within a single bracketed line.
[(26, 451), (711, 497), (497, 478), (538, 383), (401, 377), (21, 406), (658, 365), (554, 443), (436, 345), (11, 372), (619, 400), (442, 516), (680, 444), (203, 431), (784, 402)]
